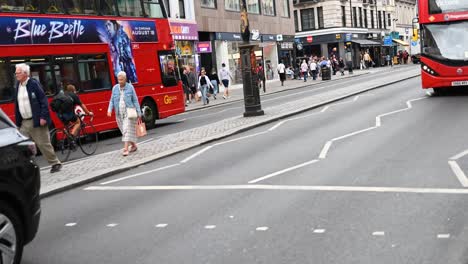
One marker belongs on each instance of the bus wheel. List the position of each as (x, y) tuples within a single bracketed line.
[(150, 113)]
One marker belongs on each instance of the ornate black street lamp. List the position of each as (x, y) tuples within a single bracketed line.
[(252, 103)]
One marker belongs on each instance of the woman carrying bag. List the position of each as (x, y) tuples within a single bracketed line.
[(124, 102)]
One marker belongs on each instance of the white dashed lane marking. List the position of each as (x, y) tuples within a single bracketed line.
[(210, 227), (161, 225), (112, 225), (443, 236), (378, 233), (319, 231), (262, 228), (70, 224)]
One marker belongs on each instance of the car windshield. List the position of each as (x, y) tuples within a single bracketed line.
[(448, 41)]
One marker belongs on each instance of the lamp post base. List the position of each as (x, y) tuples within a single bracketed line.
[(252, 103)]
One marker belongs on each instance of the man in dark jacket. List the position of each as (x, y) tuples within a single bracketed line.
[(32, 114)]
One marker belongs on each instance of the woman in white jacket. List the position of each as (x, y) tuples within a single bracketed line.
[(203, 83)]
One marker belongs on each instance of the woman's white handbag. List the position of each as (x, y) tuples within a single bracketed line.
[(132, 113)]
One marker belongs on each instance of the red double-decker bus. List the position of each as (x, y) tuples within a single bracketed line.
[(86, 43), (444, 43)]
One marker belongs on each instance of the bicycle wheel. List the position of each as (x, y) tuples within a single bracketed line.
[(88, 139), (61, 143)]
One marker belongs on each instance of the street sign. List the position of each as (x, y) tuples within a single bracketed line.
[(414, 43), (388, 41), (348, 37)]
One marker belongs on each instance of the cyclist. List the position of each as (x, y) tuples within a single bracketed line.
[(68, 117)]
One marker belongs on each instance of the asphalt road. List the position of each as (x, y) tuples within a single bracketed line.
[(364, 180), (111, 141)]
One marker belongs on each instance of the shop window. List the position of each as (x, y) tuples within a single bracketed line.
[(167, 61), (107, 7), (268, 7), (208, 3), (19, 5), (253, 7), (307, 19), (94, 72), (153, 8), (6, 81), (64, 71), (130, 8), (232, 5)]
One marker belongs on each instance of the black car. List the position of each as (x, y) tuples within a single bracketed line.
[(20, 208), (416, 58)]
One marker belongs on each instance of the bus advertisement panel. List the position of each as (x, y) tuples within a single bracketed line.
[(88, 53), (444, 41)]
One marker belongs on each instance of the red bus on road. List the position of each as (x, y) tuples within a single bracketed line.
[(86, 43), (444, 43)]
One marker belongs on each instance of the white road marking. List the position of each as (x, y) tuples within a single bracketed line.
[(112, 225), (283, 171), (196, 154), (319, 231), (262, 228), (210, 227), (277, 125), (443, 236), (241, 138), (325, 109), (139, 174), (282, 188), (70, 224), (378, 233), (231, 216), (323, 153), (353, 133), (458, 172), (161, 225), (459, 155)]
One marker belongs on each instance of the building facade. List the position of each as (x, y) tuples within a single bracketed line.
[(271, 25), (406, 12), (334, 27)]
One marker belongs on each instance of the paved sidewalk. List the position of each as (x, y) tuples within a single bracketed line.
[(106, 164), (274, 86)]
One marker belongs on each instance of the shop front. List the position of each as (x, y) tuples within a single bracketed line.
[(286, 50), (270, 55), (319, 46), (185, 35)]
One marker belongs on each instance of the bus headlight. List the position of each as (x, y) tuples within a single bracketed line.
[(428, 69)]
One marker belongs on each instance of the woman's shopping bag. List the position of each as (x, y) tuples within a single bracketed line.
[(140, 129)]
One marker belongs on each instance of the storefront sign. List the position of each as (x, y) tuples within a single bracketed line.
[(228, 36), (310, 39), (184, 47), (348, 37), (184, 31), (388, 41), (338, 36), (255, 34), (204, 47), (266, 38), (287, 45), (279, 37)]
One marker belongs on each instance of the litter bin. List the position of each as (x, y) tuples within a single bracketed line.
[(326, 73)]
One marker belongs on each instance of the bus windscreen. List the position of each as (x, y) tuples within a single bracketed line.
[(447, 6)]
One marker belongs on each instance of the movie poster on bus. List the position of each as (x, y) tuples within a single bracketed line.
[(118, 34)]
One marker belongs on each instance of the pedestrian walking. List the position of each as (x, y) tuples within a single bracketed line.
[(388, 58), (32, 114), (215, 82), (186, 86), (225, 76), (124, 102), (304, 69), (261, 77), (367, 60), (192, 80), (204, 82), (313, 69), (341, 66), (405, 56), (281, 72)]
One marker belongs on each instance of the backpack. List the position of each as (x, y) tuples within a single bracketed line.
[(62, 103)]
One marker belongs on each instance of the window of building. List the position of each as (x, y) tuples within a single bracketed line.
[(379, 21), (365, 18), (307, 19), (372, 18), (6, 81), (296, 21), (343, 16), (153, 8), (389, 20), (94, 72), (286, 12), (130, 8), (232, 5), (253, 6), (383, 20), (320, 17), (354, 17), (168, 68), (208, 3), (107, 7), (268, 7), (181, 9), (360, 17)]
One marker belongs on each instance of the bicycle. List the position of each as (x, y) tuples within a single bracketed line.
[(65, 143)]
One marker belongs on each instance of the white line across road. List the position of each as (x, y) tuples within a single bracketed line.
[(141, 173), (283, 171), (360, 189), (456, 168)]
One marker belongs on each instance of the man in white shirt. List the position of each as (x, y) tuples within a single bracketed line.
[(313, 69), (225, 76), (32, 114), (282, 72)]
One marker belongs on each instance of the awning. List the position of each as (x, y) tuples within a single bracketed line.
[(366, 42), (401, 42)]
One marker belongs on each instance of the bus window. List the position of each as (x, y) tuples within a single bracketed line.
[(107, 7), (168, 68), (94, 72), (53, 6), (19, 5), (64, 70), (153, 9), (130, 8), (73, 6), (6, 84), (40, 70)]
